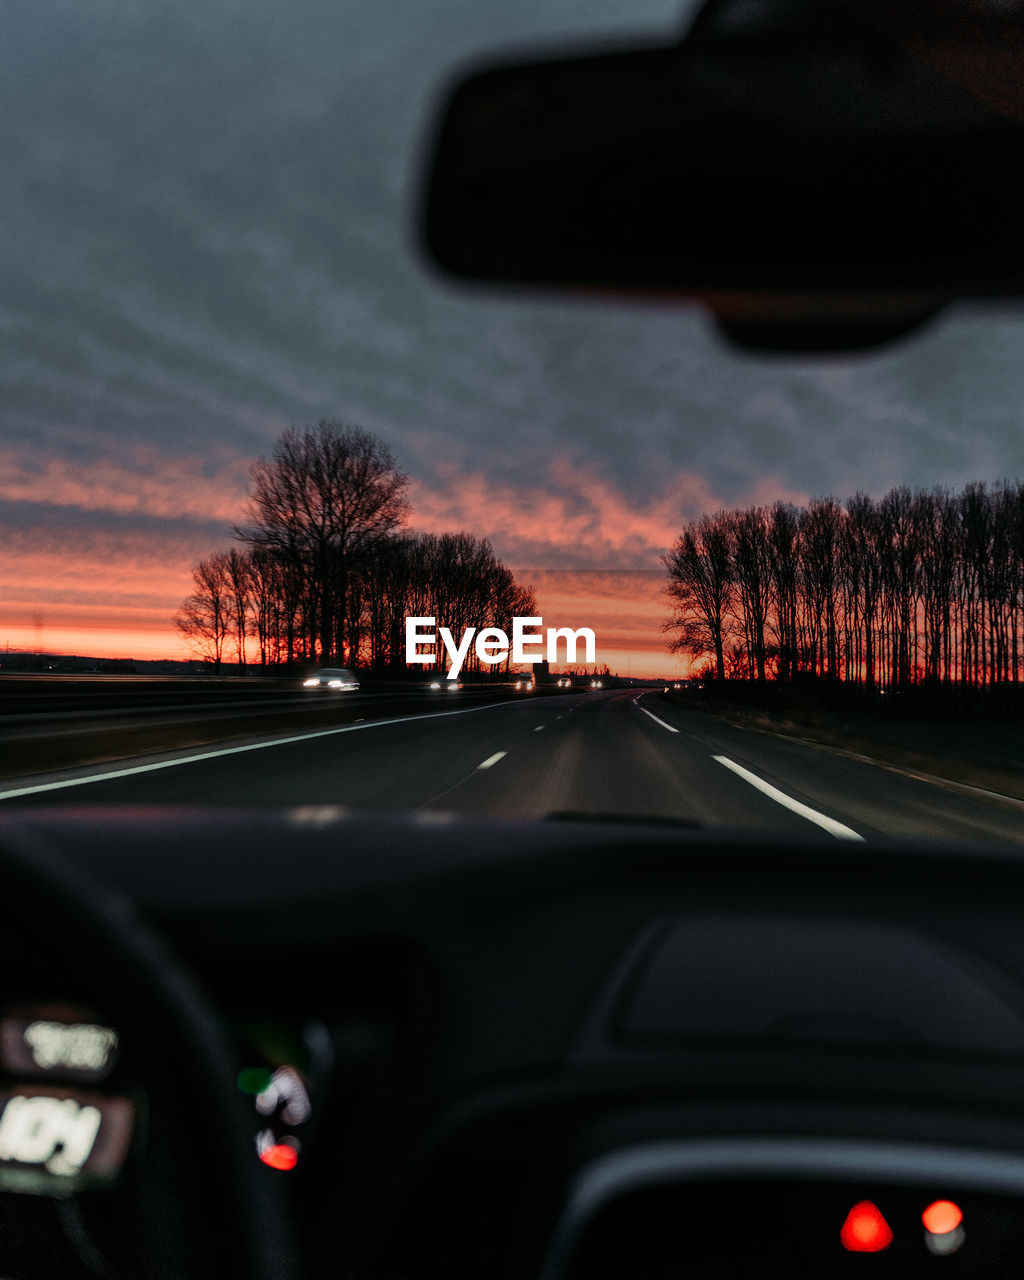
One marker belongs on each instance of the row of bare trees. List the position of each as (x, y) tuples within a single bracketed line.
[(325, 570), (918, 587)]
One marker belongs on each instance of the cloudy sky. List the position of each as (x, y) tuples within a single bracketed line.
[(206, 214)]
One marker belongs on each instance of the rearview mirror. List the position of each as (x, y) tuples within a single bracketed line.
[(820, 174)]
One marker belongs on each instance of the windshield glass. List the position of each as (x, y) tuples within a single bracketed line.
[(291, 520)]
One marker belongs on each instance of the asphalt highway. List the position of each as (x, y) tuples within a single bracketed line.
[(617, 753)]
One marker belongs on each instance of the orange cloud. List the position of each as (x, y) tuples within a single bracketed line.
[(626, 610), (571, 515), (141, 480), (97, 554), (76, 586), (574, 516), (119, 605), (111, 591)]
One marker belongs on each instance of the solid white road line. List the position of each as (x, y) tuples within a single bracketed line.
[(498, 755), (812, 815), (109, 776), (657, 719)]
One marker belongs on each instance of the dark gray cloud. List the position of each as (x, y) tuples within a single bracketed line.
[(30, 526), (206, 236)]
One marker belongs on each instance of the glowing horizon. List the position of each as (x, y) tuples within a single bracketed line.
[(625, 609), (129, 645), (103, 572)]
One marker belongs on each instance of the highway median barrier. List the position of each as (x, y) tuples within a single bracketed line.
[(50, 728)]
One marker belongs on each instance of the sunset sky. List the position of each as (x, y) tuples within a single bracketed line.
[(207, 237)]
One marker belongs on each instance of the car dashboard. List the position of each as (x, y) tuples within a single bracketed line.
[(403, 1048)]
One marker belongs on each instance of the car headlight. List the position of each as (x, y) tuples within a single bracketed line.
[(311, 683)]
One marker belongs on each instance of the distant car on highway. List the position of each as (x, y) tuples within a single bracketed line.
[(332, 678), (442, 682), (524, 682), (597, 684), (564, 683)]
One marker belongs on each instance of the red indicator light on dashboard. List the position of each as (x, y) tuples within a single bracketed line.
[(941, 1217), (865, 1230), (280, 1156)]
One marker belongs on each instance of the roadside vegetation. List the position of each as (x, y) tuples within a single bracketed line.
[(915, 591), (893, 628), (327, 570)]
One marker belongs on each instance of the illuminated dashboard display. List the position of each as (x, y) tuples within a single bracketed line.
[(799, 1228), (281, 1097), (58, 1133), (45, 1045), (55, 1141), (279, 1082)]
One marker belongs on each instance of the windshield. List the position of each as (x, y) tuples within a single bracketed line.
[(291, 520)]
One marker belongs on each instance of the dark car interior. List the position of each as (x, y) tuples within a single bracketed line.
[(319, 1043), (565, 1049)]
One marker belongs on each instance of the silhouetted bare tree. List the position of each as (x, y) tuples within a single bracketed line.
[(326, 569), (784, 563), (205, 616), (701, 575), (914, 587), (323, 504), (753, 573)]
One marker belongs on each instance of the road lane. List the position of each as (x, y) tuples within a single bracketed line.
[(874, 799), (614, 753)]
